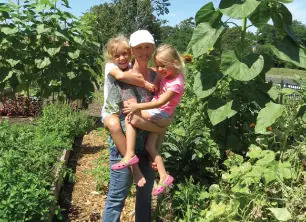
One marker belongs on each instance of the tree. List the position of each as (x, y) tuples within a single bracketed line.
[(178, 36), (300, 31), (127, 16)]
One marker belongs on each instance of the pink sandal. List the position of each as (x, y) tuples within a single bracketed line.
[(162, 186), (125, 163)]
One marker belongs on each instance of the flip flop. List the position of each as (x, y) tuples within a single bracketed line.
[(162, 186), (125, 163)]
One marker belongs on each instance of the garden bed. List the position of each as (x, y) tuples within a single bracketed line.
[(30, 158)]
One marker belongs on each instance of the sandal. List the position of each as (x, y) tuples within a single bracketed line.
[(125, 163), (162, 186)]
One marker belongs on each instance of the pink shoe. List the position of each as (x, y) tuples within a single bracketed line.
[(162, 186), (125, 163)]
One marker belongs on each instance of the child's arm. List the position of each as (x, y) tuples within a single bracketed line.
[(163, 99), (130, 78)]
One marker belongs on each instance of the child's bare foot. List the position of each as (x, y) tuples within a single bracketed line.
[(138, 177)]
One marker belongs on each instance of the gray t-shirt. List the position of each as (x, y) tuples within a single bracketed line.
[(142, 95)]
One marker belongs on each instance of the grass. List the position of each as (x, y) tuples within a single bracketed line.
[(289, 73)]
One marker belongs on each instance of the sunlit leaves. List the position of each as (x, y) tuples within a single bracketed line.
[(246, 69), (42, 63), (281, 214), (42, 29), (9, 31), (267, 116), (238, 9), (289, 51), (74, 55), (52, 51), (203, 39)]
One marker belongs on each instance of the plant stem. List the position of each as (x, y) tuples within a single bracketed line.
[(243, 32)]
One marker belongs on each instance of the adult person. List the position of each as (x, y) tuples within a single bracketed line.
[(142, 47)]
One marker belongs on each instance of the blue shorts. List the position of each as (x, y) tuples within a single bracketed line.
[(157, 114)]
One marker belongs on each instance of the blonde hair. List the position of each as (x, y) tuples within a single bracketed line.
[(112, 46), (169, 56)]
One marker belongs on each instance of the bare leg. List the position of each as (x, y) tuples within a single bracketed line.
[(142, 121), (151, 143), (128, 152), (112, 124)]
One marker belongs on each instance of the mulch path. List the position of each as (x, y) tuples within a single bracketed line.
[(79, 200)]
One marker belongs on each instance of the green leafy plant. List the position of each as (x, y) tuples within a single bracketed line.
[(43, 48)]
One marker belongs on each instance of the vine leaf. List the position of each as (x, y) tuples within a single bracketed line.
[(281, 214), (42, 63), (203, 39), (267, 116), (219, 110), (245, 70), (13, 62), (208, 14), (238, 9), (289, 51)]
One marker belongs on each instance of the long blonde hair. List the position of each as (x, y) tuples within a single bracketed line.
[(169, 56), (112, 45)]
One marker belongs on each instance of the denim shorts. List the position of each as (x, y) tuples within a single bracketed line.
[(157, 114)]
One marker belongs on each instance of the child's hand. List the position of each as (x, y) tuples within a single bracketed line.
[(149, 86), (130, 108)]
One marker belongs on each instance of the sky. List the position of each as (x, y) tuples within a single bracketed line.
[(183, 9)]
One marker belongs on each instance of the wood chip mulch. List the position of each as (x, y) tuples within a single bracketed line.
[(80, 200)]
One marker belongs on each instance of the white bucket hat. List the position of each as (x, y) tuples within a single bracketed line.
[(141, 36)]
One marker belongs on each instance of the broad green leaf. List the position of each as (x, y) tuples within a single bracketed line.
[(203, 39), (289, 51), (208, 14), (282, 20), (238, 9), (52, 51), (267, 116), (244, 70), (269, 174), (206, 83), (281, 214), (268, 157), (78, 40), (42, 63), (285, 1), (273, 92), (74, 55), (60, 35), (71, 75), (9, 31), (284, 169), (13, 62), (261, 15), (41, 29), (254, 152), (219, 111), (10, 74), (180, 131)]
